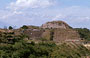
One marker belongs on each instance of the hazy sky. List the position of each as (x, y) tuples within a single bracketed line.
[(36, 12)]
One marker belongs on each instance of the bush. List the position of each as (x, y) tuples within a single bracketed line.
[(84, 33), (24, 27), (10, 27)]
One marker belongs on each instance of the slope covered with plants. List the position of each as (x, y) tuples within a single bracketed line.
[(22, 49)]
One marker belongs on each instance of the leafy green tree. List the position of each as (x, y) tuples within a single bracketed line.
[(2, 53), (10, 27), (24, 27), (33, 43), (84, 33)]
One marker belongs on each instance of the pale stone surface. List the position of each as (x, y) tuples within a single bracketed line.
[(55, 24)]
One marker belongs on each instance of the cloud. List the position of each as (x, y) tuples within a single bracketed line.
[(59, 17), (72, 15), (24, 4), (81, 13), (37, 12)]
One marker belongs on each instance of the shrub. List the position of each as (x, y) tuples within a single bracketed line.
[(10, 27)]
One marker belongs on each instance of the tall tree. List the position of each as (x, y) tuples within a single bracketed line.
[(10, 27)]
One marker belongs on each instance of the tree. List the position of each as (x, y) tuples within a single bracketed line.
[(10, 27), (84, 33), (24, 27)]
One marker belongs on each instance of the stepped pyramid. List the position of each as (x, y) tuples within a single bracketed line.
[(55, 24), (61, 31)]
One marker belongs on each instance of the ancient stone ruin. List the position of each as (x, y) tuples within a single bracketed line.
[(55, 24)]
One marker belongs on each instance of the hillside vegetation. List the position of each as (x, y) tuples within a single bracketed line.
[(22, 49), (84, 33), (40, 42)]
